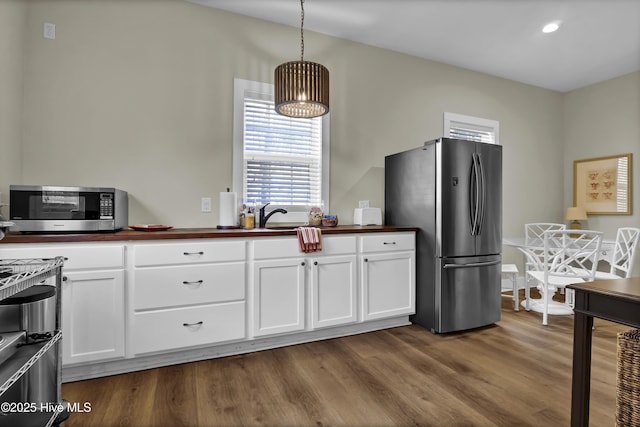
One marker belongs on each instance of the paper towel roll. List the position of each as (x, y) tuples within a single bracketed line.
[(228, 209)]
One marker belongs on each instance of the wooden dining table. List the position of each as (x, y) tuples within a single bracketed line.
[(616, 300)]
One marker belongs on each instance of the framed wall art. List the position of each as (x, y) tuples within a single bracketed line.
[(603, 185)]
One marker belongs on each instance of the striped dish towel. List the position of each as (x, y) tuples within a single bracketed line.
[(310, 239)]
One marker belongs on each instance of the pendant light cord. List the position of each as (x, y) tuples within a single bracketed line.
[(301, 30)]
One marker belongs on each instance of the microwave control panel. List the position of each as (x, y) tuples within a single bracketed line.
[(106, 205)]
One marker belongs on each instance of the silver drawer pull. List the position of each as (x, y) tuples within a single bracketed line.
[(197, 282), (193, 324), (193, 253), (389, 243)]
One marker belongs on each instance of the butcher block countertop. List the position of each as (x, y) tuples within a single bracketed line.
[(189, 233)]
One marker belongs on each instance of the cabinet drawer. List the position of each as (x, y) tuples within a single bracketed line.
[(85, 257), (189, 253), (386, 242), (289, 247), (165, 329), (188, 285)]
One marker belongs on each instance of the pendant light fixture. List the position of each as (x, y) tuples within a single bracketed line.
[(301, 87)]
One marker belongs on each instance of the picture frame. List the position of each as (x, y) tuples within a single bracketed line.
[(602, 185)]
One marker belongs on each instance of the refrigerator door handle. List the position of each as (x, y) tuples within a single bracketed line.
[(482, 196), (472, 265), (475, 195)]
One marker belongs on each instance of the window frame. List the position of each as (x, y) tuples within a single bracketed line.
[(296, 213), (486, 125)]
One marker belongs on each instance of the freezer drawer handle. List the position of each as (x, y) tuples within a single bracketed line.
[(193, 324), (473, 264), (197, 282)]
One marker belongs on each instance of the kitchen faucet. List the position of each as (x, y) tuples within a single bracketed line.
[(263, 219)]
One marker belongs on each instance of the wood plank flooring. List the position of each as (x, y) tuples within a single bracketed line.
[(516, 372)]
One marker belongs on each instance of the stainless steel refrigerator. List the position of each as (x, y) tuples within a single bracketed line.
[(452, 190)]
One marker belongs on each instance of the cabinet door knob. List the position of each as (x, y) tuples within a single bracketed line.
[(366, 260), (64, 278), (315, 262), (302, 263)]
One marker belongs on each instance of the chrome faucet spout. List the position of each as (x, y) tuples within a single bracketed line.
[(264, 218)]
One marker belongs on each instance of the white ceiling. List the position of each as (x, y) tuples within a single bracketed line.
[(598, 39)]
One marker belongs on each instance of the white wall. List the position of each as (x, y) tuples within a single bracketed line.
[(13, 20), (604, 120)]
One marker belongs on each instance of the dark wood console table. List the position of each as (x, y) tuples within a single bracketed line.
[(615, 300)]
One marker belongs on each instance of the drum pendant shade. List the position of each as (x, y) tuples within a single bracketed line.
[(301, 87)]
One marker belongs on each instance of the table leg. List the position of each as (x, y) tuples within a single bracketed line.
[(581, 379)]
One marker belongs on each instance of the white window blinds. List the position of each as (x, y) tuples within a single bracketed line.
[(471, 128), (282, 156)]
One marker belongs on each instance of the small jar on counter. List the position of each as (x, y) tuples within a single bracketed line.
[(249, 220), (315, 214)]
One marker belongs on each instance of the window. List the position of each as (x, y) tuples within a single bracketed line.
[(472, 128), (277, 159)]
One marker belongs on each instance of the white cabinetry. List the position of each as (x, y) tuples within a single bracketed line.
[(333, 283), (334, 291), (188, 299), (278, 296), (93, 319), (187, 294), (278, 287), (388, 275), (284, 279)]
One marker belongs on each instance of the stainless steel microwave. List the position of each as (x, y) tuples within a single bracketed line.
[(35, 208)]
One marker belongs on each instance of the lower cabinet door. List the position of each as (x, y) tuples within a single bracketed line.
[(92, 316), (388, 285), (183, 327), (278, 296), (333, 291)]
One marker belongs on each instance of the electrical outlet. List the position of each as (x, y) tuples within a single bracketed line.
[(49, 31), (205, 204)]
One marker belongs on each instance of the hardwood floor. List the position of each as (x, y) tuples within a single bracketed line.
[(516, 372)]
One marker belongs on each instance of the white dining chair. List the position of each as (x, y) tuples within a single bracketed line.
[(534, 236), (566, 260), (624, 254)]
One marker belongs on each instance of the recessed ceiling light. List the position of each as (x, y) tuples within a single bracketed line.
[(551, 27)]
